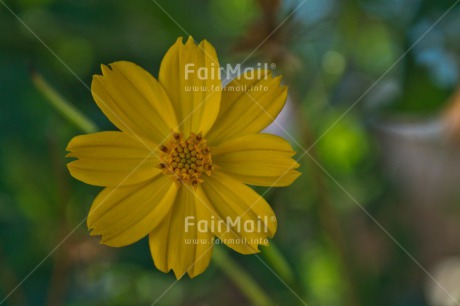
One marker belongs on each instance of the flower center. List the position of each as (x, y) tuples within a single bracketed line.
[(186, 159)]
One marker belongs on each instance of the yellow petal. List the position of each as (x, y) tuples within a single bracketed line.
[(126, 214), (176, 244), (134, 101), (248, 106), (111, 159), (190, 75), (249, 218), (257, 159)]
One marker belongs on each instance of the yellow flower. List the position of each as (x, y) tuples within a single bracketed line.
[(176, 171)]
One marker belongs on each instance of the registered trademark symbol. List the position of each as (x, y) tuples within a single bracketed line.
[(273, 218), (272, 65)]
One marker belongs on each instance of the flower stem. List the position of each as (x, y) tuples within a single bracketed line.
[(64, 107), (279, 263), (241, 278)]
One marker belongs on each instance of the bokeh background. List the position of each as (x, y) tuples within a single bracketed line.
[(373, 220)]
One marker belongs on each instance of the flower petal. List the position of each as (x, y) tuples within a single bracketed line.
[(257, 159), (123, 215), (248, 106), (134, 101), (176, 245), (190, 76), (110, 159), (249, 218)]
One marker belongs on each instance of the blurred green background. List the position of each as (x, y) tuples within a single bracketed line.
[(373, 220)]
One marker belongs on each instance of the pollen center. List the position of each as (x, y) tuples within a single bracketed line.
[(186, 159)]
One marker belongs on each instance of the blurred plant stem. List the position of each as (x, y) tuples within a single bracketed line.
[(278, 263), (61, 261), (240, 278), (327, 216), (71, 113), (62, 264)]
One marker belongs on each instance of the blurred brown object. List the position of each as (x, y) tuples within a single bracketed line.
[(424, 171), (269, 37), (89, 250), (451, 117)]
